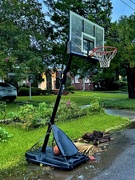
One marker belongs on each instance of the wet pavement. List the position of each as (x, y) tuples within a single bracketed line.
[(122, 167), (116, 162), (124, 113)]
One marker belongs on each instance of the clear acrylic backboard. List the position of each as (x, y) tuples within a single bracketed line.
[(84, 35)]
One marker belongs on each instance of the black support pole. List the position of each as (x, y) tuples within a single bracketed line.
[(63, 81)]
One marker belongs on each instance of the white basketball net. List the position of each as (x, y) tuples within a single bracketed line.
[(104, 55)]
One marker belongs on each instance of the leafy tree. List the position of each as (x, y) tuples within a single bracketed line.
[(123, 33), (23, 36)]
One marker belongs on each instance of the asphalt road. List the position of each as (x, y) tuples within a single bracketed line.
[(122, 166)]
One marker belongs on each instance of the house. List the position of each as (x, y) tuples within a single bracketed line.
[(80, 84), (83, 84)]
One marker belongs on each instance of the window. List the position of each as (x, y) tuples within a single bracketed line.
[(77, 79)]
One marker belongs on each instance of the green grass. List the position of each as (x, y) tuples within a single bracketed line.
[(107, 99), (13, 151), (77, 128)]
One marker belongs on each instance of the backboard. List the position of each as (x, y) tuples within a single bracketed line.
[(84, 35)]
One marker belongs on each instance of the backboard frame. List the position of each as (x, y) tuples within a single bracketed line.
[(84, 35)]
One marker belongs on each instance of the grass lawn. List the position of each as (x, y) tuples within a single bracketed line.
[(107, 99), (13, 151)]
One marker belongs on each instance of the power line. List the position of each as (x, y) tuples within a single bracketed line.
[(128, 5), (132, 2)]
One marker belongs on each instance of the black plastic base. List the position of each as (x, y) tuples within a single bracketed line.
[(57, 161)]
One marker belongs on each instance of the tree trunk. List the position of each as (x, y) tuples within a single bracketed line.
[(131, 82)]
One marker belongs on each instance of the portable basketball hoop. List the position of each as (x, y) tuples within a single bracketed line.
[(69, 156), (104, 54)]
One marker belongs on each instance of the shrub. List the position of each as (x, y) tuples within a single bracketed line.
[(31, 116), (123, 85), (70, 88), (24, 91), (4, 135), (35, 91), (124, 88), (68, 110), (95, 106)]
